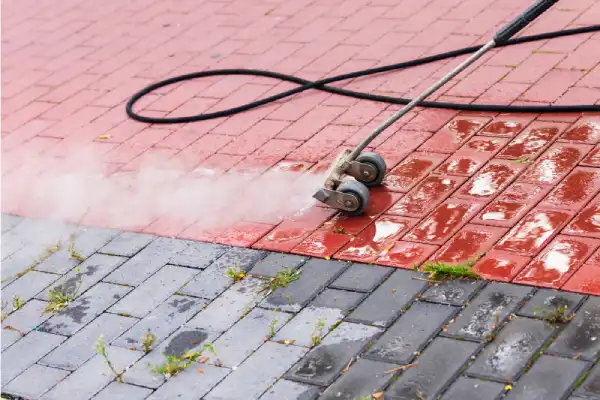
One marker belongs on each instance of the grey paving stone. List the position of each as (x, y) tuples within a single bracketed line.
[(10, 221), (87, 241), (439, 364), (311, 320), (590, 387), (93, 376), (85, 275), (324, 363), (510, 352), (35, 381), (83, 310), (316, 274), (454, 292), (198, 255), (290, 390), (491, 307), (80, 347), (10, 244), (26, 352), (60, 262), (243, 338), (386, 303), (213, 281), (580, 337), (29, 285), (191, 384), (550, 378), (127, 244), (340, 299), (236, 301), (547, 300), (473, 389), (162, 321), (123, 391), (257, 373), (23, 259), (275, 262), (150, 294), (145, 263), (361, 277), (182, 341), (25, 319), (411, 332), (44, 231), (364, 378)]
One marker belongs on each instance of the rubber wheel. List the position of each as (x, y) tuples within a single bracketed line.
[(360, 192), (378, 163)]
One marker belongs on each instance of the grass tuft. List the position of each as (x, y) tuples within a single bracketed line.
[(439, 270)]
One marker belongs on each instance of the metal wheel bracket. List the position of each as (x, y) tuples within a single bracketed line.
[(362, 171), (338, 200)]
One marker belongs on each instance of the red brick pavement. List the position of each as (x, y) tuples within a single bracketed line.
[(521, 190)]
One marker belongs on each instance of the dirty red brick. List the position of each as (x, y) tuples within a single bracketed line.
[(575, 190), (500, 265), (470, 243), (529, 144), (453, 135), (586, 223), (490, 180), (411, 170), (555, 163)]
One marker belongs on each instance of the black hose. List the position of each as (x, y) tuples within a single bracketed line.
[(321, 85)]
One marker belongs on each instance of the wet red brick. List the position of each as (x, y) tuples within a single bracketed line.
[(585, 280), (411, 170), (504, 127), (406, 254), (469, 243), (485, 144), (453, 135), (593, 158), (555, 163), (587, 223), (532, 232), (490, 180), (585, 132), (500, 265), (243, 234), (575, 190), (557, 262), (443, 222), (532, 142), (426, 195), (377, 237), (322, 243)]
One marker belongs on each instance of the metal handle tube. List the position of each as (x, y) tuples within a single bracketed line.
[(516, 25), (362, 145)]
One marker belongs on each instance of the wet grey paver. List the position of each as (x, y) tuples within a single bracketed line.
[(223, 312), (324, 363), (249, 333), (258, 372), (547, 300), (361, 277), (308, 322), (35, 381), (93, 376), (453, 292), (386, 302), (269, 266), (581, 338), (438, 366), (10, 221), (316, 274), (127, 244), (341, 299), (26, 352), (213, 281), (147, 296), (590, 387), (80, 347), (60, 262), (25, 319), (162, 321), (290, 390), (145, 263), (474, 389), (511, 350), (83, 310), (21, 260), (488, 310), (550, 378), (29, 285), (191, 384), (123, 391), (411, 332), (363, 378), (85, 275), (198, 255)]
